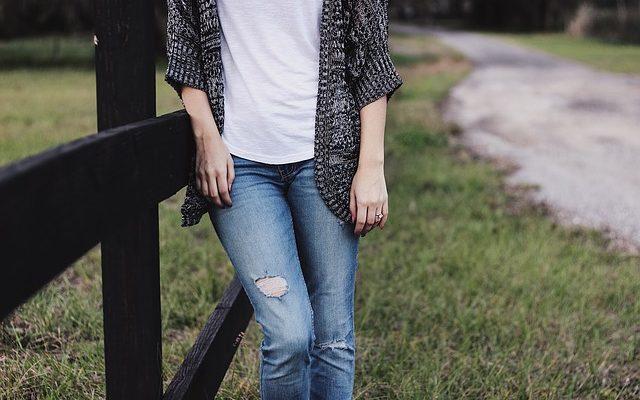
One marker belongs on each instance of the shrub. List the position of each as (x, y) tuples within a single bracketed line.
[(580, 24), (608, 24)]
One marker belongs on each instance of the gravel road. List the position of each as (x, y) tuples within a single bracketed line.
[(574, 132)]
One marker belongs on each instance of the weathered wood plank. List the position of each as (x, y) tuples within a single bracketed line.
[(131, 309), (204, 368), (125, 92)]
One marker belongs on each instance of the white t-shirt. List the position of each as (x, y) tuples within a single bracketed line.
[(270, 95)]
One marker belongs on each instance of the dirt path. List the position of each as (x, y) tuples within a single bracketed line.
[(573, 131)]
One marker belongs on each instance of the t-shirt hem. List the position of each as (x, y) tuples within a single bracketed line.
[(270, 160)]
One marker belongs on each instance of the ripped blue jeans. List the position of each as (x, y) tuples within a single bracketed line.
[(297, 263)]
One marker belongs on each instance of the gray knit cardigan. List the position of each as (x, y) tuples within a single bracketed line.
[(355, 69)]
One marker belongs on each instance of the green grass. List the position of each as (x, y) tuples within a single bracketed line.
[(44, 107), (53, 50), (468, 293), (623, 58)]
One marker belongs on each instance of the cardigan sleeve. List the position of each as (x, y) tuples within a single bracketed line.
[(377, 75), (184, 64)]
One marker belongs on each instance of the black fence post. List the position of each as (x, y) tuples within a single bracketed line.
[(125, 83)]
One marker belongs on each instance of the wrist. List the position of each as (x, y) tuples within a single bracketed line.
[(207, 138), (205, 130), (205, 134), (203, 125), (371, 162)]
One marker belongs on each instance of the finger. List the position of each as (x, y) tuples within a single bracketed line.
[(213, 191), (361, 218), (231, 172), (367, 225), (377, 220), (204, 187), (352, 204), (223, 189), (385, 212), (371, 218)]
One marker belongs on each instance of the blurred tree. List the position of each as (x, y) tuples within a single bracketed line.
[(20, 18), (31, 17), (523, 15), (26, 17)]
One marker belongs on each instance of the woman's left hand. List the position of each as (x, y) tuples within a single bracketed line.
[(368, 197)]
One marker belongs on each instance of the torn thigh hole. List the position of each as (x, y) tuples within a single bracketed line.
[(272, 286)]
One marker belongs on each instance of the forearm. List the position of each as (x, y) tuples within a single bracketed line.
[(197, 106), (372, 127)]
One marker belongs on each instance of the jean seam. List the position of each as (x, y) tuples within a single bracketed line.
[(313, 326), (262, 388)]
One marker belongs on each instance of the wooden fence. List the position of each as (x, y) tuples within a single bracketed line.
[(105, 188)]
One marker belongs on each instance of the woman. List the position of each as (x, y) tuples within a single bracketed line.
[(287, 100)]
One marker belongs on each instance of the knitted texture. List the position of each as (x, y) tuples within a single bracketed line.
[(355, 69)]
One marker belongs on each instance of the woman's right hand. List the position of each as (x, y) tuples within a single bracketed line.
[(214, 169), (214, 165)]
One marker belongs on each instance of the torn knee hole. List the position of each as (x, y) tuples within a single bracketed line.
[(272, 286)]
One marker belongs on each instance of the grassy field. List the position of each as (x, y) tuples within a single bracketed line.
[(623, 58), (470, 292)]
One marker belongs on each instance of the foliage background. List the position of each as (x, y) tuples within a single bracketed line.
[(615, 19)]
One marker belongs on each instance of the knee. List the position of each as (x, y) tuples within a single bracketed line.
[(295, 336), (295, 345), (289, 351)]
